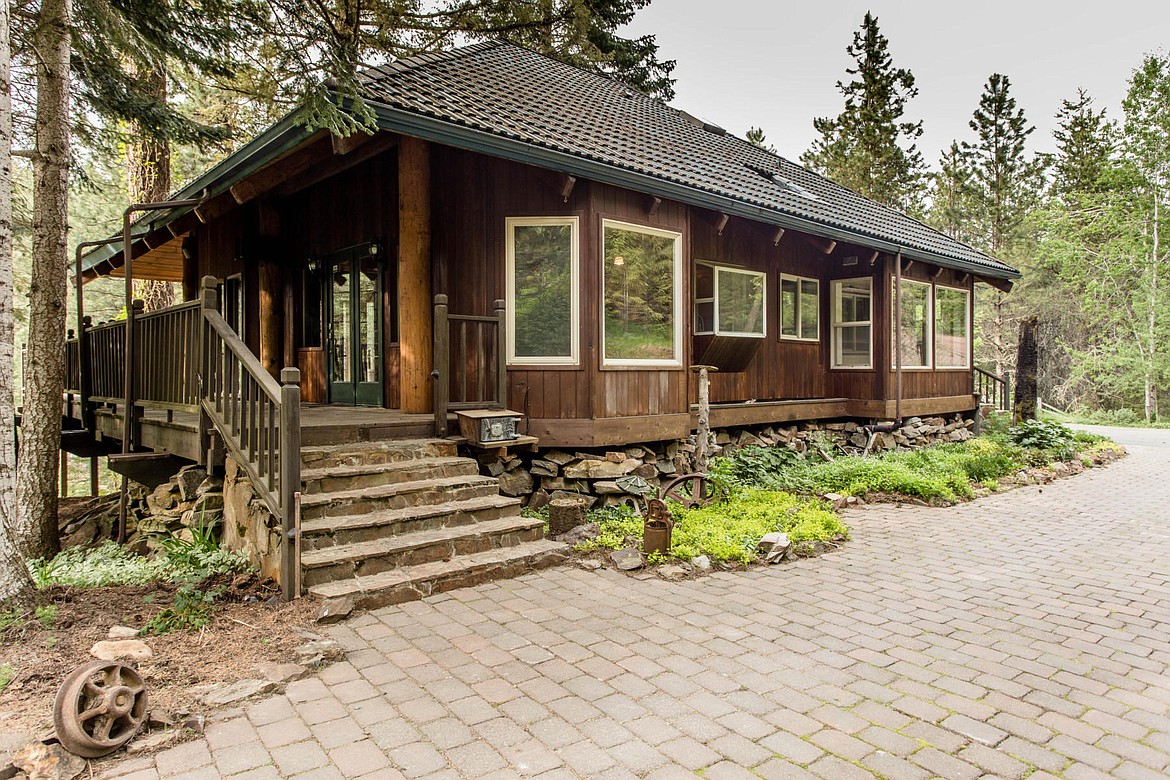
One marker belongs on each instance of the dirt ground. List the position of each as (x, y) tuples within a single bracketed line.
[(244, 632)]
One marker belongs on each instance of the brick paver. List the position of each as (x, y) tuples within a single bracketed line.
[(1023, 634)]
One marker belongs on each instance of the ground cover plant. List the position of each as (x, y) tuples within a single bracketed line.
[(726, 531), (942, 473)]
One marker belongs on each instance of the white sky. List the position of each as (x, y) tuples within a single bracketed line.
[(775, 63)]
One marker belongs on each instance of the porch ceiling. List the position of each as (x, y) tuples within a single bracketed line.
[(163, 263)]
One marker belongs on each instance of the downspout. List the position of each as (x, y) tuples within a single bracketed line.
[(898, 338), (128, 344)]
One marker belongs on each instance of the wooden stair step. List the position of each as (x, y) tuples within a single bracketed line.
[(418, 547), (398, 471), (414, 582), (344, 529)]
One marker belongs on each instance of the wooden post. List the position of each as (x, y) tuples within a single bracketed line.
[(64, 473), (501, 353), (898, 338), (414, 274), (190, 270), (271, 349), (93, 476), (290, 479), (208, 301), (703, 436), (441, 375)]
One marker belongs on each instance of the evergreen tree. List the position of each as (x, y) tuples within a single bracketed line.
[(1006, 185), (861, 148), (1085, 144), (755, 136), (952, 194)]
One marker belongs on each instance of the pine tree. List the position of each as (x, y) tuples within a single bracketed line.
[(1085, 144), (861, 148), (755, 136), (952, 194)]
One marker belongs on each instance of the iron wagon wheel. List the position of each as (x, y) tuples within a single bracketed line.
[(690, 490), (101, 705)]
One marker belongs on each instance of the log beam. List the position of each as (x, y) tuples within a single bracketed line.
[(271, 306), (414, 275)]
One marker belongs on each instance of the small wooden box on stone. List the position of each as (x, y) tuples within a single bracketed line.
[(565, 514)]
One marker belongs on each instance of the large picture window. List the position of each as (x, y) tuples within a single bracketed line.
[(952, 328), (729, 301), (852, 323), (641, 296), (915, 318), (543, 283), (800, 308)]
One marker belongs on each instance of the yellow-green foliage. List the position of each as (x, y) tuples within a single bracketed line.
[(730, 530), (727, 530)]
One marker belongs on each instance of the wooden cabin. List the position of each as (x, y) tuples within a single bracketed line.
[(520, 233)]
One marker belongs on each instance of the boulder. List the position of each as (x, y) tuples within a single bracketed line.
[(335, 610), (230, 693), (281, 673), (48, 762), (112, 650), (538, 500), (607, 488), (558, 457), (188, 481), (629, 559), (122, 632), (773, 546), (701, 562), (600, 469), (317, 651), (579, 534), (544, 468), (516, 483)]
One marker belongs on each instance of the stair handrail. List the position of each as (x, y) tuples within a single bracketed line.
[(992, 388), (258, 420), (494, 323)]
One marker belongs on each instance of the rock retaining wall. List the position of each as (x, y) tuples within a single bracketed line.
[(594, 474)]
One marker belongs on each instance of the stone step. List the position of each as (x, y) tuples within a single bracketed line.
[(397, 496), (414, 582), (325, 532), (362, 559), (370, 452), (336, 478)]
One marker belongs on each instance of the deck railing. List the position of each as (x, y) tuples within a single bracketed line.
[(165, 366), (992, 389), (258, 420), (470, 362)]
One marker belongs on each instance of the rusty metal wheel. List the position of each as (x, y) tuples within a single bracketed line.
[(690, 490), (100, 706)]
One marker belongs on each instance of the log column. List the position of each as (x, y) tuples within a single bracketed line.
[(414, 274), (271, 307)]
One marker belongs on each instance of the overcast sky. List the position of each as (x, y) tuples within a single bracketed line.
[(775, 63)]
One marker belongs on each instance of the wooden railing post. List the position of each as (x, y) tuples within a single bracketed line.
[(130, 376), (440, 375), (85, 375), (290, 479), (208, 301), (501, 354)]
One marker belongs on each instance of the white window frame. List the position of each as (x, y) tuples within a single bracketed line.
[(836, 323), (799, 282), (717, 330), (678, 310), (574, 358), (929, 365), (934, 324)]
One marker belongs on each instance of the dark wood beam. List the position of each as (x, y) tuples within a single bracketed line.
[(873, 258), (335, 165), (779, 235), (721, 224), (567, 185), (282, 169), (1003, 285), (652, 204)]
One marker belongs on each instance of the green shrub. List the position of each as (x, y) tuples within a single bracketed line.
[(47, 615), (95, 567), (617, 523), (191, 609), (7, 674), (1051, 439)]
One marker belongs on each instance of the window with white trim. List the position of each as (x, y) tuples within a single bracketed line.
[(916, 323), (641, 307), (852, 323), (730, 301), (543, 283), (800, 308), (952, 327)]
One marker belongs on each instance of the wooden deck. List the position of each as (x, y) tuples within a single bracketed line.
[(175, 432)]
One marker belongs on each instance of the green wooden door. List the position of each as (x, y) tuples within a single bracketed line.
[(354, 325)]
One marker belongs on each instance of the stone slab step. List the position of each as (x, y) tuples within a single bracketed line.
[(414, 582), (362, 559), (348, 529), (397, 496), (351, 477), (388, 451)]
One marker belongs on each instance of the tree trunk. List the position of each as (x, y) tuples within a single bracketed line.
[(1027, 365), (148, 163), (15, 586), (44, 379)]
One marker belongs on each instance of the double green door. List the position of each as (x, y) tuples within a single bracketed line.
[(354, 324)]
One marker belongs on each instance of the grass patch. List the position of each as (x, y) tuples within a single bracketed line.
[(725, 531), (7, 674)]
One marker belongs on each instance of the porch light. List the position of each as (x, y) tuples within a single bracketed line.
[(619, 260)]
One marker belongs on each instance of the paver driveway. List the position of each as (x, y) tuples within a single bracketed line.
[(1021, 635)]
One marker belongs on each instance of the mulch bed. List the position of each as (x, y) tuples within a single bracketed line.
[(246, 630)]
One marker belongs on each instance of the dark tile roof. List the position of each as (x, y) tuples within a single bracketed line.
[(530, 100)]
